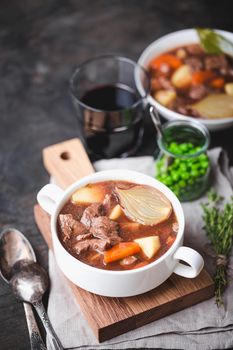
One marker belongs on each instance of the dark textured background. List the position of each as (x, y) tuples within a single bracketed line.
[(41, 42)]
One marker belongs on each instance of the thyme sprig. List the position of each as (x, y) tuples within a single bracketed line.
[(219, 229)]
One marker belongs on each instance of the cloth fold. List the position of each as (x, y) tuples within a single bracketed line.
[(202, 326)]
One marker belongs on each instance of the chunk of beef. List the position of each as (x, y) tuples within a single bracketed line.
[(70, 227), (194, 49), (82, 247), (110, 201), (99, 244), (74, 209), (161, 83), (194, 63), (187, 110), (215, 62), (94, 244), (83, 237), (94, 210), (230, 73), (198, 92), (106, 229), (227, 72), (165, 83)]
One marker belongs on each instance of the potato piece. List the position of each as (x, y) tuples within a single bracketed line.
[(149, 245), (181, 54), (115, 213), (182, 77), (88, 194), (229, 89), (165, 97)]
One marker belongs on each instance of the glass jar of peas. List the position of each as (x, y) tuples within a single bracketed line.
[(182, 162)]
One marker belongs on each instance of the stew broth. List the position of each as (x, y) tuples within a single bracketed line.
[(87, 232)]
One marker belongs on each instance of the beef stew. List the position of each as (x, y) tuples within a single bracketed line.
[(95, 228), (187, 76)]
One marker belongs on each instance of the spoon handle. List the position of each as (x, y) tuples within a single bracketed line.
[(34, 333), (156, 120), (53, 339)]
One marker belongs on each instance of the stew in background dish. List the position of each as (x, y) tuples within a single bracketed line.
[(185, 76), (94, 228)]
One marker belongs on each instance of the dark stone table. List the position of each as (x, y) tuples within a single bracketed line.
[(40, 45)]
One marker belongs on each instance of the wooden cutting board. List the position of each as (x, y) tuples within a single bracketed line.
[(109, 317)]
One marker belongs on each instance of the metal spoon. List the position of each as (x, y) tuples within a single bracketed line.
[(29, 283), (13, 248), (156, 120), (157, 123)]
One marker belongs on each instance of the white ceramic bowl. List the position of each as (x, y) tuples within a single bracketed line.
[(168, 42), (119, 283)]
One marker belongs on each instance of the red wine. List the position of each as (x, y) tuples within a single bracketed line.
[(112, 117), (110, 98)]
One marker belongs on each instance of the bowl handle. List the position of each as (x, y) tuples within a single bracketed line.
[(49, 196), (192, 258)]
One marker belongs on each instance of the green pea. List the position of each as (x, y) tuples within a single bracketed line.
[(173, 166), (173, 147), (195, 166), (169, 180), (202, 171), (182, 183), (193, 160), (175, 176), (177, 162), (204, 164), (173, 144), (162, 177), (194, 173), (176, 187), (185, 176), (190, 145), (184, 148), (203, 156), (183, 167)]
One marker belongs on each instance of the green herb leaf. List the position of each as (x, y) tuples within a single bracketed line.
[(219, 229), (214, 43)]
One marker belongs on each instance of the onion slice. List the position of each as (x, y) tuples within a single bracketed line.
[(215, 106), (144, 204)]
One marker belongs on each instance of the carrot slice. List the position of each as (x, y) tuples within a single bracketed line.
[(201, 77), (218, 83), (120, 251), (171, 60)]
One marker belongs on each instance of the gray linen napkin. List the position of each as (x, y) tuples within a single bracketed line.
[(202, 326)]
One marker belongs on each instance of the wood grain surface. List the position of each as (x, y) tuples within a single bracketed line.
[(67, 162), (110, 317)]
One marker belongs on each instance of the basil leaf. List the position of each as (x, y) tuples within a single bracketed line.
[(214, 43)]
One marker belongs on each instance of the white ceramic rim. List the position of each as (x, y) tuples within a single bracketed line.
[(164, 110), (121, 175)]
